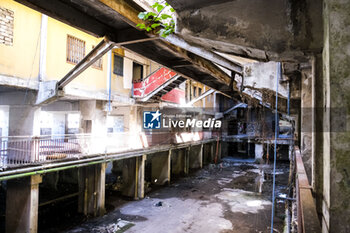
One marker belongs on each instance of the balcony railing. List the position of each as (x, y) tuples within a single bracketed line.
[(24, 151)]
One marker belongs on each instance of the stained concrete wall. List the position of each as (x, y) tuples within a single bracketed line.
[(336, 136), (306, 121), (277, 26)]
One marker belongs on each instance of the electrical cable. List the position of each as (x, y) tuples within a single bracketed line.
[(275, 148)]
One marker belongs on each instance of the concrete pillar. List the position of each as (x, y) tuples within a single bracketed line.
[(140, 174), (92, 183), (161, 165), (224, 149), (207, 153), (306, 120), (22, 203), (93, 120), (212, 152), (219, 151), (187, 160), (336, 130), (259, 153), (196, 157), (24, 120), (134, 177), (178, 162)]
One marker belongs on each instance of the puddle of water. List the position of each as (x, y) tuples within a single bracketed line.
[(242, 201)]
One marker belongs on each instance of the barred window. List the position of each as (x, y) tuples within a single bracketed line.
[(97, 64), (118, 68), (6, 26), (75, 49)]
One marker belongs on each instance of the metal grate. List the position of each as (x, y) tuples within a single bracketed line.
[(75, 49)]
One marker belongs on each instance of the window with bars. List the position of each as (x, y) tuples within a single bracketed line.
[(98, 63), (118, 66), (75, 49)]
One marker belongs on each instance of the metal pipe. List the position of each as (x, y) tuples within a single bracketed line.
[(96, 53), (96, 160), (275, 147)]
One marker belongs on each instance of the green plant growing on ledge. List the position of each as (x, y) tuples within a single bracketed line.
[(161, 20)]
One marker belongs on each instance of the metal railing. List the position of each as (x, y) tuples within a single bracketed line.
[(26, 150)]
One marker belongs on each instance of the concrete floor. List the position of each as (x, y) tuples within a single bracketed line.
[(218, 198)]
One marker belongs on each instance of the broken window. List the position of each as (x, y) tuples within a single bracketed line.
[(194, 91), (97, 64), (137, 72), (199, 91), (118, 66), (75, 49)]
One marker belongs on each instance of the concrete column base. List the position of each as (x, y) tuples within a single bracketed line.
[(92, 183), (22, 203)]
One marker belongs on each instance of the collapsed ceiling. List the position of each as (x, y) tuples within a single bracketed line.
[(210, 32)]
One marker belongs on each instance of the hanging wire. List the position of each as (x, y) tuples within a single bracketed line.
[(275, 147)]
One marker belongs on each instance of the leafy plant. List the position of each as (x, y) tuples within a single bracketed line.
[(162, 22)]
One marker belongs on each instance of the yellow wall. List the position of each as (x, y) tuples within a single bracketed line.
[(22, 58), (208, 100), (57, 66)]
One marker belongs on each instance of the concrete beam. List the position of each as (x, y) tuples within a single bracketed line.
[(205, 94), (22, 203), (199, 62), (204, 53), (128, 13)]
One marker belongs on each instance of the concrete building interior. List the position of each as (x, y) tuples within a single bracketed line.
[(234, 121)]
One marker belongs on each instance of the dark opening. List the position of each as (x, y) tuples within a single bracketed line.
[(118, 66), (137, 72)]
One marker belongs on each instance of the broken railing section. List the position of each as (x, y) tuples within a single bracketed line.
[(306, 209), (21, 151)]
